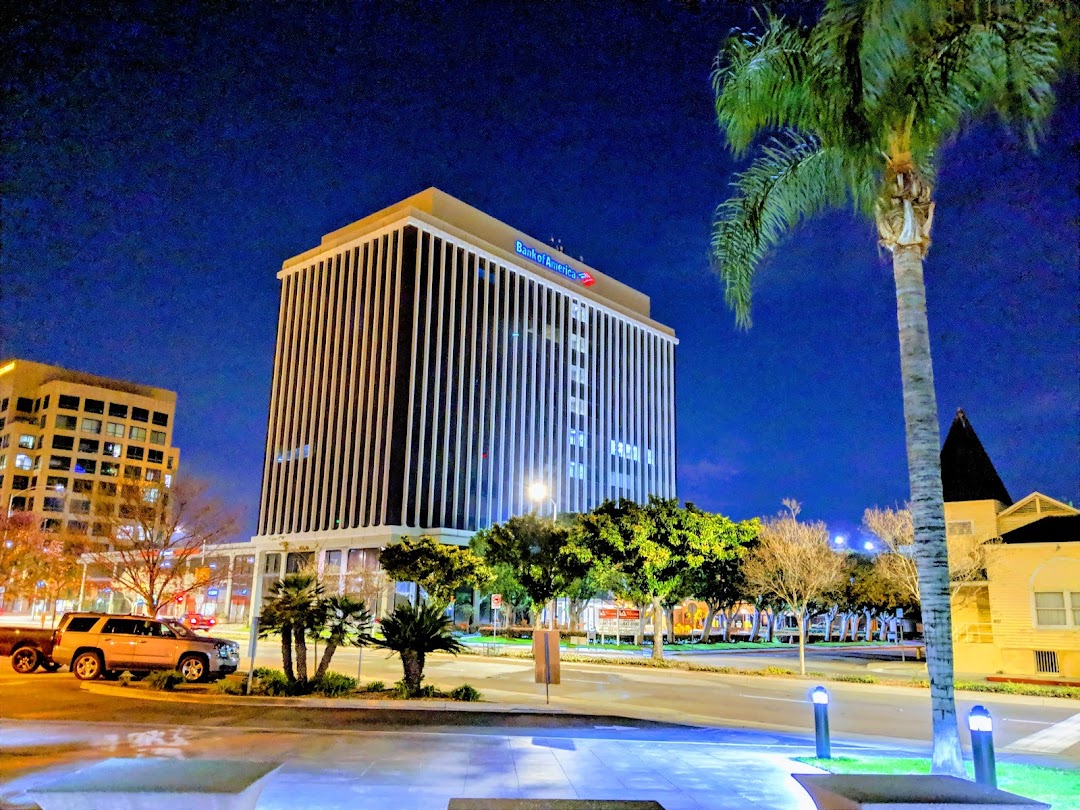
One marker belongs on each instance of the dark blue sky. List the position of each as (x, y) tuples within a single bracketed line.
[(160, 163)]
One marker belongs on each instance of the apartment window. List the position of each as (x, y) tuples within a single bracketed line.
[(37, 404), (297, 561), (114, 429), (89, 445), (79, 507), (94, 406), (4, 404), (51, 524), (20, 482), (362, 559), (161, 419), (77, 527), (82, 485), (59, 462), (168, 480), (99, 530), (333, 561), (57, 482), (37, 462), (119, 411), (960, 527), (65, 422), (86, 466), (24, 404), (26, 441), (169, 466), (156, 457), (112, 449), (1050, 609), (110, 469), (65, 402), (140, 415), (157, 437), (135, 452), (132, 472), (91, 425), (53, 505), (137, 434), (153, 475), (150, 495), (63, 442), (107, 488)]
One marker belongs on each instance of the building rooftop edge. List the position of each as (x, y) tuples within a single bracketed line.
[(50, 373), (439, 209)]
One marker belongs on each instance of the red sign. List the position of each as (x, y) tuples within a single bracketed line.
[(623, 614), (496, 600)]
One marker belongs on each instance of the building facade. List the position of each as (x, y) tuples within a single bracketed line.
[(433, 363), (68, 439)]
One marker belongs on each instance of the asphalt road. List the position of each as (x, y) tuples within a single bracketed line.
[(861, 714)]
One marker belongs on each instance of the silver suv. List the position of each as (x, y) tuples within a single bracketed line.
[(94, 645)]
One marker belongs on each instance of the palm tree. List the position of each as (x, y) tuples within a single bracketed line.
[(347, 622), (855, 109), (291, 609), (412, 633)]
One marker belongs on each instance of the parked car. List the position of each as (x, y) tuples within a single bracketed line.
[(96, 645), (197, 620), (29, 648)]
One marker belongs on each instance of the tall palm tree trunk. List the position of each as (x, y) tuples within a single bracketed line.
[(927, 503), (286, 652)]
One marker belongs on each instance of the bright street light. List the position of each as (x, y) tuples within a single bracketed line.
[(538, 491), (839, 540), (868, 545)]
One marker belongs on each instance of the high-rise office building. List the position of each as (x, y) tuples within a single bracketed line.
[(432, 363), (68, 439)]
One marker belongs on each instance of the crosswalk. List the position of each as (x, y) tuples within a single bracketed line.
[(1052, 740)]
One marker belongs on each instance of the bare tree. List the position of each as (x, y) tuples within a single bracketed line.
[(894, 528), (794, 563), (160, 538)]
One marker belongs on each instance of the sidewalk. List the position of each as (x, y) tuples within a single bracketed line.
[(424, 770)]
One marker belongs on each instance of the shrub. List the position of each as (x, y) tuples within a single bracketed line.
[(777, 671), (334, 684), (465, 693), (375, 686), (855, 678), (270, 682), (230, 687), (164, 681), (402, 691)]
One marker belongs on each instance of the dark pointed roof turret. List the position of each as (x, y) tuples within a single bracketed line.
[(967, 474)]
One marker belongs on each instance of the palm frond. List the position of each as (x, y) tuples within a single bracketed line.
[(761, 81), (794, 178)]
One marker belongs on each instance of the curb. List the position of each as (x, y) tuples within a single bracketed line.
[(139, 693)]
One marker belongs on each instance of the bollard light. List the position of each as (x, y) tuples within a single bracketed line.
[(981, 726), (819, 696)]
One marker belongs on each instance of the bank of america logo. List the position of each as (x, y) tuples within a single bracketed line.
[(549, 263)]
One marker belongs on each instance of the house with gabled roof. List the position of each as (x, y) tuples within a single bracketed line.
[(1023, 617)]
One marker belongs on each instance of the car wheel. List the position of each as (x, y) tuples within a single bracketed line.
[(87, 666), (25, 660), (193, 668)]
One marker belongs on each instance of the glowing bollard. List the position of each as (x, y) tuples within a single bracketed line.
[(982, 746), (820, 698)]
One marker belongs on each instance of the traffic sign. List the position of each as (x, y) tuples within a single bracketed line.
[(496, 600)]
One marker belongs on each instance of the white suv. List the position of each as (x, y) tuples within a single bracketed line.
[(94, 645)]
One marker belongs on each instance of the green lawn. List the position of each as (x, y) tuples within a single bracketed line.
[(1057, 787)]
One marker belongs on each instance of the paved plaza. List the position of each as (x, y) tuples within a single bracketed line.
[(404, 770)]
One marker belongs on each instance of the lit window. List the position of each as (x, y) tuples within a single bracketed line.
[(91, 425), (56, 482), (26, 441), (87, 466), (157, 437), (138, 434), (168, 480), (153, 475), (150, 495), (112, 449), (110, 468), (648, 456), (115, 429)]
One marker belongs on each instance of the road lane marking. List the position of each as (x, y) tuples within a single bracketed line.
[(1033, 722), (1051, 740), (784, 700)]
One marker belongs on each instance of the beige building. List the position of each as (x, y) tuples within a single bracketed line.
[(68, 438), (1019, 615)]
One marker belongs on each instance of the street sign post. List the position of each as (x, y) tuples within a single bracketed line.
[(496, 604), (546, 659), (253, 642)]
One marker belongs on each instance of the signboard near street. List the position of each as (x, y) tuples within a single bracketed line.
[(628, 619), (545, 648), (496, 601)]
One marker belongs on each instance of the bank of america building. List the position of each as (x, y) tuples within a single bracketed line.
[(431, 365)]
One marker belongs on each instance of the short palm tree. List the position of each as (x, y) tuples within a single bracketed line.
[(347, 623), (412, 633), (855, 109), (291, 610)]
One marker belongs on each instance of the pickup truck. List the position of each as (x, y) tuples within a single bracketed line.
[(96, 645), (28, 647)]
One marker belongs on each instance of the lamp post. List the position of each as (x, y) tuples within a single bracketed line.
[(820, 698), (982, 745), (538, 493)]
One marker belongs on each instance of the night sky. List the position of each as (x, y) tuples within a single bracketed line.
[(160, 161)]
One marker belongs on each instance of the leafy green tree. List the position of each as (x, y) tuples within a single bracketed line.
[(412, 633), (344, 622), (537, 553), (292, 609), (858, 107), (440, 569), (720, 581)]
